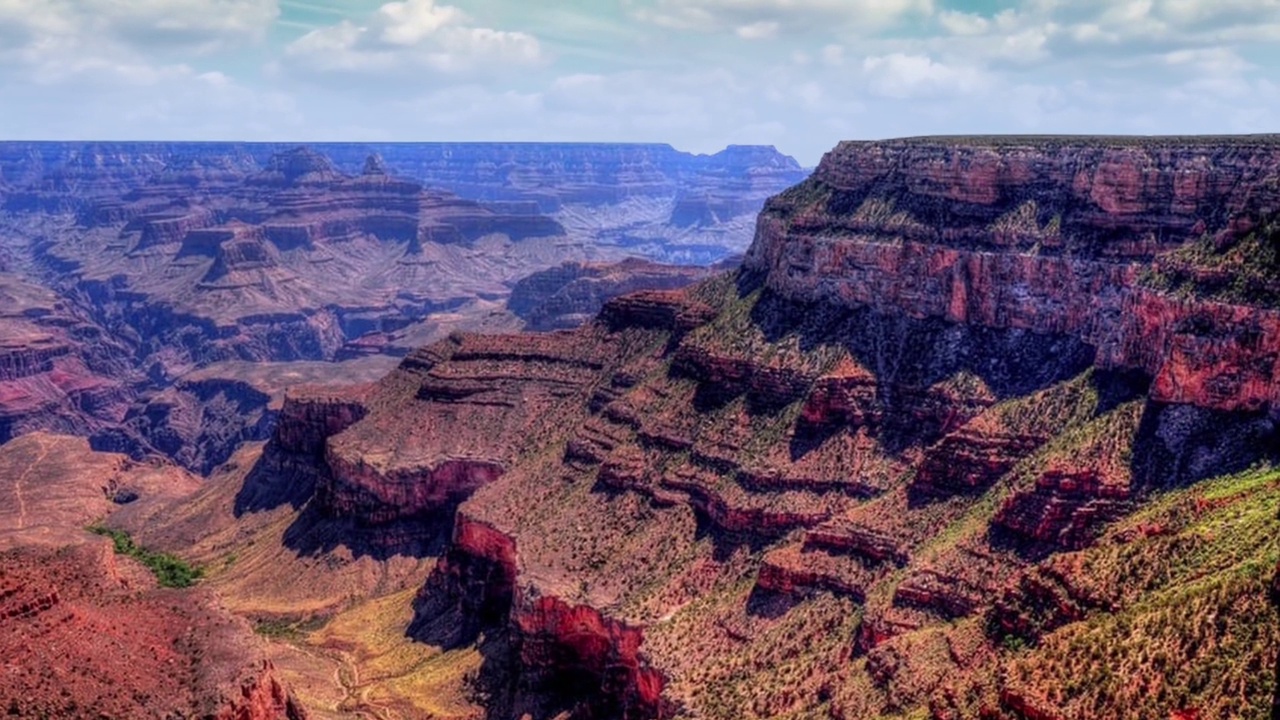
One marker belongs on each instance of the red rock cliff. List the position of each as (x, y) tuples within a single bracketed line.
[(1041, 234)]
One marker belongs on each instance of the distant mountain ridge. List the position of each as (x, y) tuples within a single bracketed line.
[(546, 172), (164, 258)]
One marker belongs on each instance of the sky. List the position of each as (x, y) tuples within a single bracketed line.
[(700, 74)]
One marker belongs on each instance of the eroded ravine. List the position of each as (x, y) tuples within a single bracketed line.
[(886, 469)]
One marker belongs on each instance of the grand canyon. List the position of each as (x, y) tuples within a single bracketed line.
[(945, 427)]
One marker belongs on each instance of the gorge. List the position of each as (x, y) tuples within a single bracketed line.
[(158, 294), (982, 427)]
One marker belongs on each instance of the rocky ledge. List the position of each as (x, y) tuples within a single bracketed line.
[(918, 457), (1048, 235)]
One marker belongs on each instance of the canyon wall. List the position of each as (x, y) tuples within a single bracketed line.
[(162, 259), (981, 429), (1046, 235), (892, 464)]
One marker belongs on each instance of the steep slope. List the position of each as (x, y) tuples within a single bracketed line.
[(976, 432), (876, 433), (131, 266), (85, 632), (567, 296)]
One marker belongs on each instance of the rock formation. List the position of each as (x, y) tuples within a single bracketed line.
[(1047, 236), (163, 259), (567, 296), (88, 632), (902, 462), (981, 429)]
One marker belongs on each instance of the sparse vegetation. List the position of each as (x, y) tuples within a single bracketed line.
[(170, 570), (289, 629), (1191, 626), (1245, 271)]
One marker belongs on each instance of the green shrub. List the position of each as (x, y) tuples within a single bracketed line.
[(171, 571)]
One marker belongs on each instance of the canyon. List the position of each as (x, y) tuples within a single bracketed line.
[(142, 281), (70, 608), (980, 428)]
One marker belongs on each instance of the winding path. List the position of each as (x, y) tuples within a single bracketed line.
[(17, 487), (346, 675)]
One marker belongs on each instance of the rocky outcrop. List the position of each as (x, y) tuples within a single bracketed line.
[(577, 653), (1066, 508), (564, 655), (369, 495), (167, 229), (472, 587), (262, 697), (311, 415), (567, 296), (1043, 235), (735, 181), (973, 458), (656, 309), (26, 360)]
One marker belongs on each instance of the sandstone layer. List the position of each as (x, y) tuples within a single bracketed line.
[(900, 463), (86, 632), (978, 431), (132, 267)]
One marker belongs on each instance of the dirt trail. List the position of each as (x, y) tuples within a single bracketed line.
[(17, 487), (346, 677)]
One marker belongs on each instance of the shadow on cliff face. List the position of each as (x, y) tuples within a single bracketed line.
[(276, 479), (1179, 445), (281, 478), (768, 604), (504, 685), (545, 658), (315, 532), (924, 369), (506, 688), (724, 543), (519, 677), (915, 364), (1173, 447), (467, 602)]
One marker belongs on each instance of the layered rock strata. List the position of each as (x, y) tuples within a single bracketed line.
[(902, 416), (166, 258), (915, 459), (1040, 235), (87, 631)]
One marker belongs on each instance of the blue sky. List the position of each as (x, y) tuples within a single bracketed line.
[(700, 74)]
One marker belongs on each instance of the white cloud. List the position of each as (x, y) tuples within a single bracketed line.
[(1039, 30), (1209, 61), (195, 20), (963, 23), (405, 38), (821, 15), (818, 71), (199, 24), (758, 30), (406, 23), (108, 42), (902, 76)]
